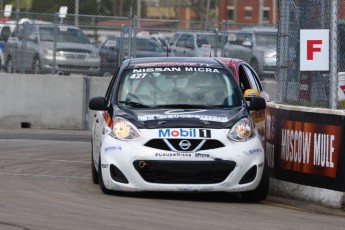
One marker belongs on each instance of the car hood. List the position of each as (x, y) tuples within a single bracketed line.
[(182, 118), (268, 49), (70, 46)]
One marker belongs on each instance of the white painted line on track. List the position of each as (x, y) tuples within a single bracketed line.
[(43, 175), (44, 159)]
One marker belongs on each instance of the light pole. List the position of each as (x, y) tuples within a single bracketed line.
[(76, 13)]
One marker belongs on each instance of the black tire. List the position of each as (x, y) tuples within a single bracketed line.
[(100, 178), (9, 65), (36, 66), (94, 172), (261, 192)]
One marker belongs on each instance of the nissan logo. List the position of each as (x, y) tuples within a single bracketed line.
[(184, 144)]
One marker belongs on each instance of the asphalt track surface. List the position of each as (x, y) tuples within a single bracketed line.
[(45, 183)]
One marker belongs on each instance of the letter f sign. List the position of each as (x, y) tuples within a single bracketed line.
[(314, 50), (311, 48)]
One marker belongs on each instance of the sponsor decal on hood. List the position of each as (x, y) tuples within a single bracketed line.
[(201, 114)]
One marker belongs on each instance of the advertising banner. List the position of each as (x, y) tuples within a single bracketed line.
[(306, 147)]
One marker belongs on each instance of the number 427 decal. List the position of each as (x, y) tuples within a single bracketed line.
[(138, 75)]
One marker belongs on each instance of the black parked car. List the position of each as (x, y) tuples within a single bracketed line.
[(116, 49)]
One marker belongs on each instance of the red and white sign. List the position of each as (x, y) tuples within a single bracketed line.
[(314, 50)]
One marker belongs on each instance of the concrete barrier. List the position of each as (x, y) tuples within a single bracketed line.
[(48, 101)]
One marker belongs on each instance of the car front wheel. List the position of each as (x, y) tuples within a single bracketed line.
[(100, 178), (36, 66), (94, 172), (9, 65)]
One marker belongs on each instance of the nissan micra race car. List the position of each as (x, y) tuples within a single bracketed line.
[(177, 124)]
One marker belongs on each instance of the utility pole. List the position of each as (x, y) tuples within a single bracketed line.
[(76, 12), (261, 11)]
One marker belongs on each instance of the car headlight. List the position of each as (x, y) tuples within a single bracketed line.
[(243, 130), (124, 130), (94, 55), (48, 52), (270, 54)]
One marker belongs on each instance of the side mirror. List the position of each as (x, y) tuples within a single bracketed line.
[(253, 99), (98, 104)]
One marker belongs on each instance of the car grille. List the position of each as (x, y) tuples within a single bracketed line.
[(85, 51), (163, 144), (184, 172), (270, 68), (74, 67)]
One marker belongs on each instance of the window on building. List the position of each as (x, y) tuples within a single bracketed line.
[(231, 13), (248, 12), (266, 14)]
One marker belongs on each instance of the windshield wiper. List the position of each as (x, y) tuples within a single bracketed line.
[(134, 104)]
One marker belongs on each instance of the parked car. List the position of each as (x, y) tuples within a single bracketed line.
[(177, 124), (115, 49), (42, 47), (6, 28), (197, 43), (257, 46)]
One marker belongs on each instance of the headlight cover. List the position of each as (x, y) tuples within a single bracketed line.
[(94, 55), (243, 130), (271, 54), (124, 130), (48, 52)]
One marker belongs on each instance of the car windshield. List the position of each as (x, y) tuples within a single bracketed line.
[(210, 39), (266, 39), (178, 87), (142, 44), (64, 34)]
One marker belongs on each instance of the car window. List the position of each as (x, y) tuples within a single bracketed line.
[(254, 82), (5, 33), (241, 37), (173, 39), (215, 40), (243, 79), (179, 86), (64, 34), (266, 39), (148, 45)]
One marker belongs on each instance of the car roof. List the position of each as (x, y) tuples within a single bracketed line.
[(175, 61), (201, 32), (259, 29)]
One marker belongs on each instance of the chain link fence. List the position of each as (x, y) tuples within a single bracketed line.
[(323, 89), (118, 29)]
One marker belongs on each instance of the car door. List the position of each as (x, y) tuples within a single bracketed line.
[(13, 52), (184, 45), (248, 79), (102, 124), (241, 48)]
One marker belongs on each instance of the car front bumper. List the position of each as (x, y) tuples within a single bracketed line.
[(132, 166), (72, 65)]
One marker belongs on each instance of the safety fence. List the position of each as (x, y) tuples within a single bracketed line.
[(315, 80), (117, 30)]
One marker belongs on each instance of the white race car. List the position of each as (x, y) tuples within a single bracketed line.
[(177, 124)]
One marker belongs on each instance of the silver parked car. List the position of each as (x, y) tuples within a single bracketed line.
[(257, 46), (43, 47), (197, 43)]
